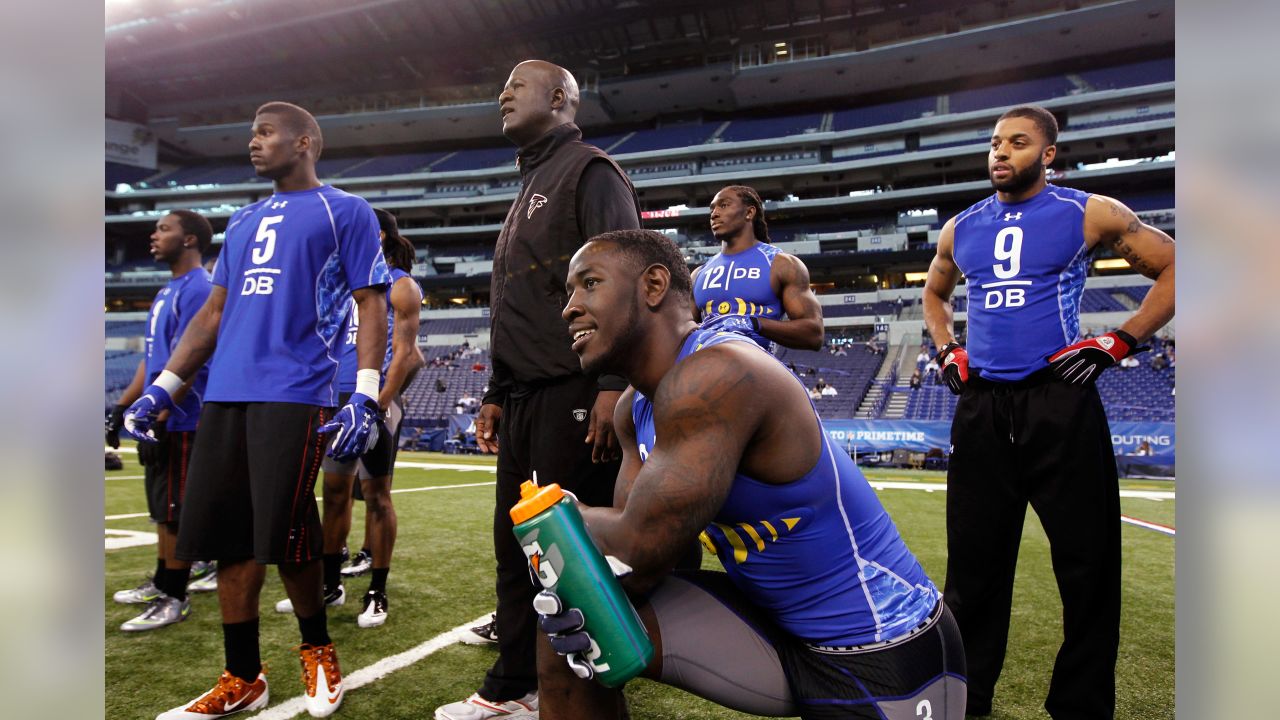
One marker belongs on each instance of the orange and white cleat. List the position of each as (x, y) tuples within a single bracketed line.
[(321, 679), (231, 695)]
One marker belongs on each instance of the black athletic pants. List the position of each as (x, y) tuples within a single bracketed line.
[(540, 430), (1046, 443)]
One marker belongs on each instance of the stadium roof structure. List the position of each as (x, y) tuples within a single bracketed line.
[(433, 68)]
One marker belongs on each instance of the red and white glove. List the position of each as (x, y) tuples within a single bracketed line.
[(1084, 361), (953, 360)]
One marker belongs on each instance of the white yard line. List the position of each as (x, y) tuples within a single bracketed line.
[(380, 669), (117, 539), (1148, 525), (125, 477)]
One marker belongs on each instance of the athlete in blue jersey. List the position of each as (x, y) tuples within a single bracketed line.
[(288, 268), (179, 240), (822, 612), (1029, 426), (753, 280), (374, 468)]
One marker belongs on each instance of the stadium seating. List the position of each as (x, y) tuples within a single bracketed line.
[(761, 128), (851, 375), (670, 136), (135, 328), (1130, 75), (120, 367), (477, 159)]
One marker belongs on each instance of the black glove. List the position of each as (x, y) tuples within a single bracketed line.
[(115, 421), (954, 361), (563, 627), (1084, 361), (155, 453)]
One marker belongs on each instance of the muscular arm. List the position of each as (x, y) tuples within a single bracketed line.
[(938, 286), (406, 358), (803, 327), (693, 283), (705, 413), (1149, 251), (624, 424), (200, 338), (371, 335)]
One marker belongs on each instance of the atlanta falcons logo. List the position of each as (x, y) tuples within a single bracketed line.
[(535, 202)]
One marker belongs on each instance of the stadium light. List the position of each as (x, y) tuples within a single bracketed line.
[(1111, 264)]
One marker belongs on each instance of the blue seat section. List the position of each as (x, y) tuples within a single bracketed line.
[(1139, 393), (131, 328), (1130, 75), (477, 159), (931, 401), (1141, 202), (604, 142), (881, 307), (760, 128), (394, 164), (452, 326), (883, 114), (333, 167), (1100, 300), (120, 367), (850, 374), (1140, 114), (1012, 93), (427, 406), (670, 136), (118, 173)]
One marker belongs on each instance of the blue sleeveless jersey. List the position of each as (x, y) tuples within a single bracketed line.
[(820, 552), (1025, 265), (289, 264), (349, 363), (170, 314), (738, 284)]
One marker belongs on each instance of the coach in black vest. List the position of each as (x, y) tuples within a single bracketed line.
[(541, 413)]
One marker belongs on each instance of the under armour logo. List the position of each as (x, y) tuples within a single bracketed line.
[(535, 202), (1012, 216), (279, 204), (579, 414)]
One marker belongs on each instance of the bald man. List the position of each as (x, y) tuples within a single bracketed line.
[(542, 413)]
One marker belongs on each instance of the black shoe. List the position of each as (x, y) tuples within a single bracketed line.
[(486, 634), (360, 564)]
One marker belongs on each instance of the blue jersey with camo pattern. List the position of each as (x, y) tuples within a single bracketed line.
[(1025, 265), (170, 314), (289, 264), (819, 552), (349, 363)]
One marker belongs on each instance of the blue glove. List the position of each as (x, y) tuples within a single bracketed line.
[(563, 627), (357, 428), (142, 413)]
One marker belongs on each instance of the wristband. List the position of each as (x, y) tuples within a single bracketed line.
[(168, 381), (367, 382)]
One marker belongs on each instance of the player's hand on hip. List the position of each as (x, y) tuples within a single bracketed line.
[(1084, 361), (355, 428), (600, 433), (141, 415), (954, 361), (487, 427)]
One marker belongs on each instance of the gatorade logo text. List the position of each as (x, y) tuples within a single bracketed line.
[(546, 564)]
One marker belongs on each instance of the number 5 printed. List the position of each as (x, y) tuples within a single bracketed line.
[(263, 253)]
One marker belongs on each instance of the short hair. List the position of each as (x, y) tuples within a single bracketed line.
[(1044, 120), (396, 248), (193, 223), (298, 120), (751, 198), (646, 247)]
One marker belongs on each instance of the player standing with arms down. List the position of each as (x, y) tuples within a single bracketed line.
[(375, 468), (822, 611), (180, 240), (1029, 426), (542, 413), (753, 280), (289, 266)]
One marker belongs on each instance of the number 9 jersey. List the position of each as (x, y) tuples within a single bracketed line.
[(289, 264), (1024, 265)]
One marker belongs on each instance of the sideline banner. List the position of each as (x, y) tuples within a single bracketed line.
[(922, 436), (883, 435)]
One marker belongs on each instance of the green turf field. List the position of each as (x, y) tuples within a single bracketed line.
[(442, 576)]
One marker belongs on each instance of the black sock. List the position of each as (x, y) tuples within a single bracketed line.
[(332, 571), (379, 581), (315, 630), (240, 643), (175, 582), (159, 574)]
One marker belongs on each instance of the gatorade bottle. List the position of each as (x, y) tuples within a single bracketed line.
[(550, 529)]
